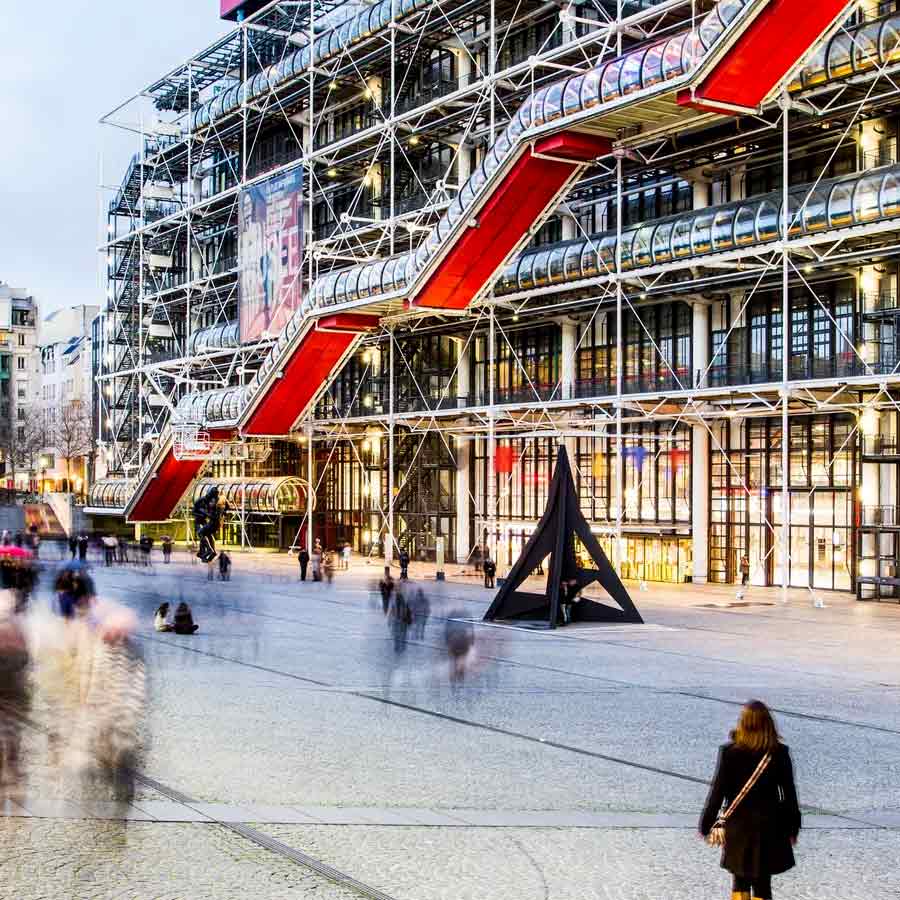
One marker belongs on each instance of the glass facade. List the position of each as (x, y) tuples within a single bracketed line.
[(746, 501)]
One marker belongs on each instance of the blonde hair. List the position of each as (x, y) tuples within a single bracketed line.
[(756, 728)]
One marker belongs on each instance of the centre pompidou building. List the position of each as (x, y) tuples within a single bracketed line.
[(371, 265)]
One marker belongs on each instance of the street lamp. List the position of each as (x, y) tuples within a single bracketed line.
[(45, 462)]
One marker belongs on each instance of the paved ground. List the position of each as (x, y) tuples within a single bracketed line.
[(287, 734)]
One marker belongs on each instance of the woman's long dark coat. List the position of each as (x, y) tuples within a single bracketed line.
[(758, 836)]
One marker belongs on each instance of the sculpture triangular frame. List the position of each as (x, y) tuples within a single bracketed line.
[(554, 536)]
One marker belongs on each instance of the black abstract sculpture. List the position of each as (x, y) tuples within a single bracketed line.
[(207, 517), (555, 536)]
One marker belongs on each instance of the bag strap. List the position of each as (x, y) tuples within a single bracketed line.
[(746, 788)]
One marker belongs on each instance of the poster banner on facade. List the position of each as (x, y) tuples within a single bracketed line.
[(270, 224)]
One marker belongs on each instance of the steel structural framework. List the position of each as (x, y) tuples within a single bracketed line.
[(350, 94)]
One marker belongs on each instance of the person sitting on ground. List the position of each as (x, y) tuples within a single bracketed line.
[(224, 566), (184, 621), (161, 619)]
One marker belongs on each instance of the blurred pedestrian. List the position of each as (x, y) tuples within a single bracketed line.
[(224, 566), (123, 550), (421, 610), (490, 570), (328, 566), (166, 549), (82, 547), (346, 553), (14, 695), (73, 544), (476, 557), (316, 561), (400, 618), (386, 585), (403, 559), (460, 638), (109, 549), (184, 620), (758, 828)]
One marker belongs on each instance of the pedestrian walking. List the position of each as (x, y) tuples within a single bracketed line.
[(167, 549), (386, 585), (421, 610), (316, 561), (490, 570), (758, 828), (400, 619), (224, 566), (403, 559), (328, 566), (346, 553), (82, 547), (745, 570), (476, 557), (109, 549), (123, 550), (303, 559), (73, 544)]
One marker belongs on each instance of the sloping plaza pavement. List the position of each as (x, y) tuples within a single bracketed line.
[(292, 753)]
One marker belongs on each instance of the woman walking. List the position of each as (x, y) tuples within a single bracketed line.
[(753, 792)]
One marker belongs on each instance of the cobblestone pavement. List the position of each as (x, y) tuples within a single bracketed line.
[(291, 699)]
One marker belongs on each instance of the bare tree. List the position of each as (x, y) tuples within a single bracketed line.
[(23, 439), (71, 434)]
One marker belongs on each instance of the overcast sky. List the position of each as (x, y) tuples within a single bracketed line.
[(64, 64)]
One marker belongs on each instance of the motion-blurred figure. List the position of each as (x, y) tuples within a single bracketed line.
[(166, 548), (328, 566), (403, 559), (92, 678), (460, 637), (109, 549), (386, 586), (421, 610), (400, 618), (82, 547), (14, 695)]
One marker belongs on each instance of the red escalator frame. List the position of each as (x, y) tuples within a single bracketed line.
[(168, 483), (521, 198), (766, 51), (310, 366)]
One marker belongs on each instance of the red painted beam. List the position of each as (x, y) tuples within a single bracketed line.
[(165, 489), (354, 322), (766, 51), (310, 366), (511, 210)]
